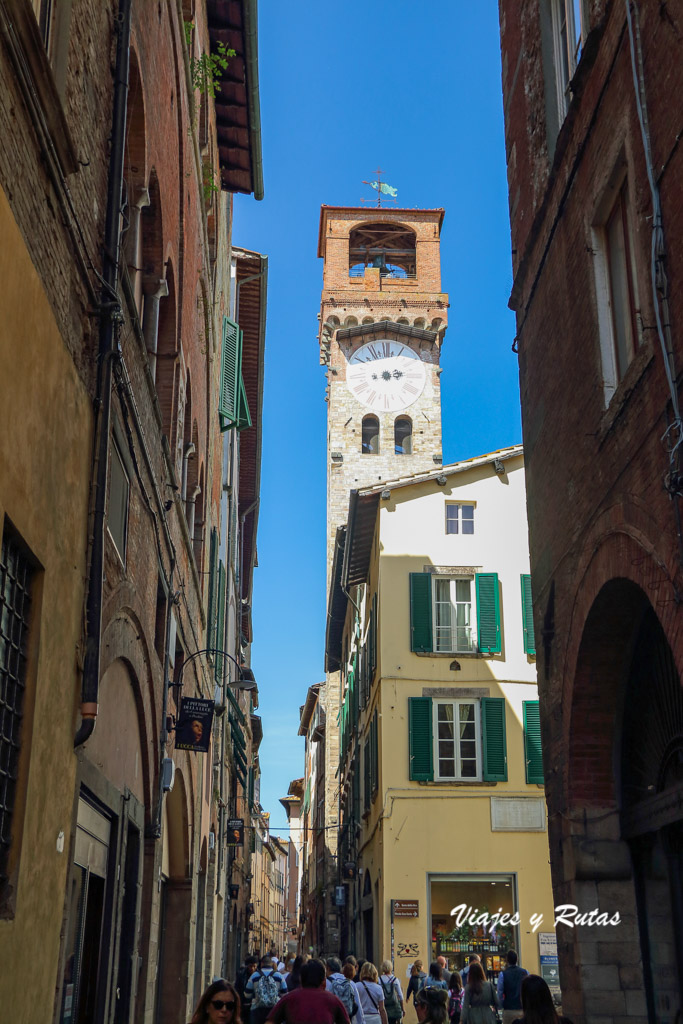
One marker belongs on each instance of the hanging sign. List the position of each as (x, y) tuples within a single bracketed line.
[(234, 832), (193, 731)]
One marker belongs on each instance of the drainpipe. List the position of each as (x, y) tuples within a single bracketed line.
[(154, 290), (110, 322)]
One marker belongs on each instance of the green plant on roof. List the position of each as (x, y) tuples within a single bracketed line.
[(206, 70)]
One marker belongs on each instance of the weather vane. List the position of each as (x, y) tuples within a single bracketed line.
[(382, 189)]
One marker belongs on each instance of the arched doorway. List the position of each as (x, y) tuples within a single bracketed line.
[(652, 812), (624, 815), (175, 919)]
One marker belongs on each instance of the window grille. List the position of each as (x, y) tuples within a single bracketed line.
[(16, 575)]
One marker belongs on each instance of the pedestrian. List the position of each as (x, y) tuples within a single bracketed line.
[(417, 977), (509, 987), (243, 975), (310, 1003), (474, 959), (371, 995), (349, 971), (455, 997), (288, 970), (431, 1006), (435, 977), (445, 973), (480, 998), (393, 993), (294, 976), (359, 963), (220, 1004), (267, 986), (344, 989), (537, 1003)]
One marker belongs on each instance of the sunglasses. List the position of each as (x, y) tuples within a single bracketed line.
[(219, 1004)]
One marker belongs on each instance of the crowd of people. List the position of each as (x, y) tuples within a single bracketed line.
[(315, 991)]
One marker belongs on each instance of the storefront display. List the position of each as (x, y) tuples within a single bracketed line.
[(457, 936)]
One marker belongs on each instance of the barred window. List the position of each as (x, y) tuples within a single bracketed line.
[(16, 574)]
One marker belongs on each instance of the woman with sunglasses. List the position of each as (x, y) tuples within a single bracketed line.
[(220, 1004)]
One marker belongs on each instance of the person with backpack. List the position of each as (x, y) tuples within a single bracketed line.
[(243, 976), (393, 994), (417, 977), (265, 987), (455, 997), (344, 989), (509, 987)]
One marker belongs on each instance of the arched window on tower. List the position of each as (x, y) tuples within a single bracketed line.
[(370, 443), (403, 435)]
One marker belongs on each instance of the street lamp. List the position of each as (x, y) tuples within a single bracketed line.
[(245, 680)]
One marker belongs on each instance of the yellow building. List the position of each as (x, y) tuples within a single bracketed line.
[(441, 779)]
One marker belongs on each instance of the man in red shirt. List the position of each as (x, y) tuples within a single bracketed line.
[(312, 1003)]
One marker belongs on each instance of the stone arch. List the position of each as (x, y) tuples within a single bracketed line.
[(370, 435), (403, 435)]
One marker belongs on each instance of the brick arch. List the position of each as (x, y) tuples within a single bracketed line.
[(199, 520), (136, 133), (167, 364), (600, 677)]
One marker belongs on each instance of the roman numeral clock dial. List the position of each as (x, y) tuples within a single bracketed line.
[(385, 376)]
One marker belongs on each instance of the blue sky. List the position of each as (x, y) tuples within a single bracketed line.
[(347, 87)]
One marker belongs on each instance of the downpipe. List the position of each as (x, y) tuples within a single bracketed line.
[(111, 318)]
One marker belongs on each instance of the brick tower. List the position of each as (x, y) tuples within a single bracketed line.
[(382, 322)]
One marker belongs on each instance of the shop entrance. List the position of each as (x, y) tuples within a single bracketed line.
[(492, 894)]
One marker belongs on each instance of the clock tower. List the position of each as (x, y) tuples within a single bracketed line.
[(382, 322), (383, 318)]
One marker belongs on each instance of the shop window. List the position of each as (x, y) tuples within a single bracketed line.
[(16, 584), (459, 518), (370, 436), (455, 614), (457, 740), (403, 436), (455, 938), (119, 492), (616, 289)]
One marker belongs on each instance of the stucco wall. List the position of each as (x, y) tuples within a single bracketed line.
[(45, 432)]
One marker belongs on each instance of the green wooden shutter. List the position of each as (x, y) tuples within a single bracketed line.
[(211, 616), (421, 612), (488, 612), (250, 790), (231, 374), (493, 732), (372, 639), (532, 742), (243, 414), (421, 744), (374, 752), (528, 616), (367, 774), (220, 622)]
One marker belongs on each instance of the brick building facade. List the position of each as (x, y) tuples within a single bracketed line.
[(595, 167), (115, 218)]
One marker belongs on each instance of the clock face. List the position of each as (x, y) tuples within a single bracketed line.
[(385, 375)]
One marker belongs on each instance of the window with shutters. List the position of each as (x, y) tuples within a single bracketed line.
[(231, 411), (459, 740), (457, 614), (459, 517)]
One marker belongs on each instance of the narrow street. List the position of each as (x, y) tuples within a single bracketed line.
[(341, 562)]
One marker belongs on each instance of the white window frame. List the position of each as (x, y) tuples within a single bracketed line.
[(460, 521), (611, 377), (456, 704), (469, 647), (116, 454), (567, 47)]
